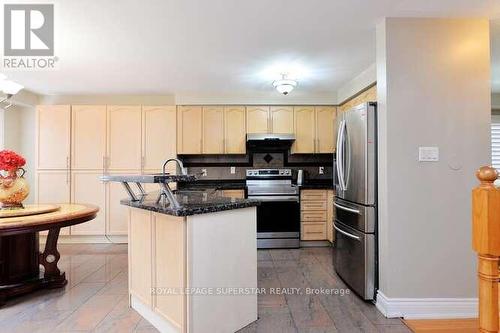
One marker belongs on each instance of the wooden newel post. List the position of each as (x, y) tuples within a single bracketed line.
[(486, 242)]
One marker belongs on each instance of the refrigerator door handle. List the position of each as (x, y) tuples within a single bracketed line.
[(345, 233), (346, 170), (340, 163), (339, 153), (347, 209)]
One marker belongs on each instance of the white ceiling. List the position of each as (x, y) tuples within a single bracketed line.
[(224, 47)]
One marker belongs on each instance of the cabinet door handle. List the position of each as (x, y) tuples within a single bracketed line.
[(67, 162)]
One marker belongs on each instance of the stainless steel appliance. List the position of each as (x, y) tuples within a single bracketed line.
[(356, 199), (278, 216), (300, 177)]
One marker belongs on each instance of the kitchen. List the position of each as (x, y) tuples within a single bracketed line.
[(300, 179)]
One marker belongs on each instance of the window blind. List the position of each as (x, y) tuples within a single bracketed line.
[(495, 141)]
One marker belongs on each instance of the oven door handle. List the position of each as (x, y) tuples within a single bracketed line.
[(345, 233), (290, 198)]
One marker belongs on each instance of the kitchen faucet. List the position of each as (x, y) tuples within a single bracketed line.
[(179, 163)]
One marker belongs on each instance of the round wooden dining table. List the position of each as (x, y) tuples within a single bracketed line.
[(20, 255)]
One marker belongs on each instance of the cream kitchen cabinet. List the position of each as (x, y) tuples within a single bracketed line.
[(330, 216), (86, 187), (258, 119), (234, 130), (124, 137), (88, 137), (313, 214), (189, 130), (116, 213), (53, 186), (281, 119), (213, 130), (305, 130), (325, 129), (53, 124), (159, 137), (314, 129)]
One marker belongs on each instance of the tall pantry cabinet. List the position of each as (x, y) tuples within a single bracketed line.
[(53, 150), (79, 143)]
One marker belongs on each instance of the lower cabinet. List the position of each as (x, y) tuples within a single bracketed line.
[(238, 194), (316, 215), (84, 186), (88, 188), (53, 187)]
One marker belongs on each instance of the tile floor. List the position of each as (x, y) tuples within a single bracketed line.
[(95, 299)]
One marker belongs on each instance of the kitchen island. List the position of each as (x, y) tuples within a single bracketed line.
[(193, 266)]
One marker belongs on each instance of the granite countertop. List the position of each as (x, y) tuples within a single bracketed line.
[(191, 203), (152, 178), (220, 184), (240, 184)]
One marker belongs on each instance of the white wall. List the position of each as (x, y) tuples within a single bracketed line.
[(433, 83), (358, 83), (108, 99), (19, 135)]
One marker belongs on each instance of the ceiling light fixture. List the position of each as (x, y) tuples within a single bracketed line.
[(284, 85), (9, 88)]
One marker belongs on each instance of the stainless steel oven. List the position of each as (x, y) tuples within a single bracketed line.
[(278, 216)]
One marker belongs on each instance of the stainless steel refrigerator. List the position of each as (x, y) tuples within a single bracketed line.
[(355, 201)]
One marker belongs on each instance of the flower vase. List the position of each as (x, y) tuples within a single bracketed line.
[(13, 189)]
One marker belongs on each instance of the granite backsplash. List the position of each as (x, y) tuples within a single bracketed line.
[(219, 166)]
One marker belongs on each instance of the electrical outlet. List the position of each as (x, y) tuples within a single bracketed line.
[(203, 172), (233, 170), (321, 170), (428, 154)]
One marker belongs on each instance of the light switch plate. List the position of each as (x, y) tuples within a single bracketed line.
[(233, 170), (203, 172), (321, 170), (428, 154)]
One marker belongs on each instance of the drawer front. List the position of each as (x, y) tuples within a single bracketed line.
[(314, 216), (313, 195), (239, 194), (313, 205), (314, 231)]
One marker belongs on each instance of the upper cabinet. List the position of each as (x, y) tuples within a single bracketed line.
[(325, 129), (234, 130), (305, 130), (258, 119), (314, 129), (369, 95), (189, 130), (213, 130), (281, 119), (88, 139), (158, 136), (124, 137), (53, 137)]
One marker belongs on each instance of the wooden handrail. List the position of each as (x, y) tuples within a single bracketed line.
[(486, 242)]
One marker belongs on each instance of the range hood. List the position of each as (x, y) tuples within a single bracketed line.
[(264, 137), (264, 142)]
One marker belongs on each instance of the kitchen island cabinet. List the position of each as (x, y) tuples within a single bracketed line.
[(193, 268)]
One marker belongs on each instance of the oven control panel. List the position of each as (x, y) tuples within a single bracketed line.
[(269, 173)]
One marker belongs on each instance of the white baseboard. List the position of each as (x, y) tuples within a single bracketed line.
[(427, 308), (75, 239)]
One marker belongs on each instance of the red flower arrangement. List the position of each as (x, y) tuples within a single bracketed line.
[(10, 161)]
